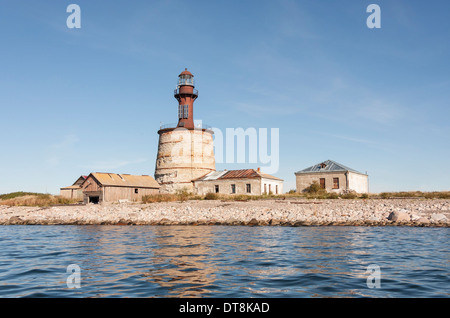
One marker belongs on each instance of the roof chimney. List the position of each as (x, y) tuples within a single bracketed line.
[(259, 169)]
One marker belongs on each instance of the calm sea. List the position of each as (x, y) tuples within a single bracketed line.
[(223, 261)]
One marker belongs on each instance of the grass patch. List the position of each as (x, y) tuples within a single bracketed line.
[(211, 196), (34, 199), (14, 195), (153, 198), (320, 194), (415, 194)]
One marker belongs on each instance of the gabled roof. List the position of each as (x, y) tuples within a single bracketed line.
[(80, 181), (327, 166), (236, 174), (244, 173), (77, 184), (125, 180)]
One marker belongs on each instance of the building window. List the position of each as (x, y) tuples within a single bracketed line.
[(322, 183), (233, 188), (136, 191), (335, 183), (265, 188), (248, 188), (270, 189), (183, 111), (216, 188), (276, 189)]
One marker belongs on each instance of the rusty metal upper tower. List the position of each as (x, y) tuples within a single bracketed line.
[(186, 94)]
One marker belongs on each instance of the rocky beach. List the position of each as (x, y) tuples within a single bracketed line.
[(273, 212)]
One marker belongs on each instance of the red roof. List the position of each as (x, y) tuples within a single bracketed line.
[(186, 72), (236, 174), (245, 173)]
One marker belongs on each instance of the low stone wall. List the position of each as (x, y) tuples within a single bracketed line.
[(405, 212)]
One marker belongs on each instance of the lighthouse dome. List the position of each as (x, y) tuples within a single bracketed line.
[(185, 78), (186, 72)]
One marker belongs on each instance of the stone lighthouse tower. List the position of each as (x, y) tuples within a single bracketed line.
[(185, 152)]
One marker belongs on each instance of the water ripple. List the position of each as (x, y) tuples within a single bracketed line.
[(216, 261)]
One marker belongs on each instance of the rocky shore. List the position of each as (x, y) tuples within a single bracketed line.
[(289, 212)]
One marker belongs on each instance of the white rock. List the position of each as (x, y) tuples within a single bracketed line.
[(399, 217), (438, 217)]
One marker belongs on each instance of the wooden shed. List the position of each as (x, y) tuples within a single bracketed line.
[(112, 187), (74, 191)]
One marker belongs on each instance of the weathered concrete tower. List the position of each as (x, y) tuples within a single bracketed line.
[(185, 152)]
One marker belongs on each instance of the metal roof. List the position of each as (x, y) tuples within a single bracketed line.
[(125, 180), (327, 166), (236, 174), (186, 72), (244, 173)]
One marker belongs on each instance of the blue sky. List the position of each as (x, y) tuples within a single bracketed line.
[(75, 101)]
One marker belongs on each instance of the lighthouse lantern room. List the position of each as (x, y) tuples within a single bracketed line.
[(186, 94)]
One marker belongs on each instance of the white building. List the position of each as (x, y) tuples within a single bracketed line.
[(333, 177), (246, 181)]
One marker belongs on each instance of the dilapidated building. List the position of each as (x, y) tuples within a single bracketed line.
[(74, 191), (333, 177), (246, 181), (112, 187)]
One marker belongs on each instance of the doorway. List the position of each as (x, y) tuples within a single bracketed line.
[(94, 200)]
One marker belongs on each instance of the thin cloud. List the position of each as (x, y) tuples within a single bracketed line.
[(59, 151), (112, 164), (348, 138), (381, 112), (258, 110)]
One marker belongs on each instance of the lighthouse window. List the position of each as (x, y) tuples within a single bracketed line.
[(183, 111)]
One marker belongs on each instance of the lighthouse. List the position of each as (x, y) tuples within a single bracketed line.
[(186, 94), (185, 152)]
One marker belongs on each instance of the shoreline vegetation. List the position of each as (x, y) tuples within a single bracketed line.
[(45, 199), (291, 209)]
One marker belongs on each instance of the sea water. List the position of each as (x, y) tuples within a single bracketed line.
[(223, 261)]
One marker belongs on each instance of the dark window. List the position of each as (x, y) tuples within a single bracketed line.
[(322, 183), (265, 188), (276, 189), (216, 187), (136, 191), (270, 189), (233, 188), (249, 188), (335, 183)]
